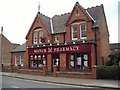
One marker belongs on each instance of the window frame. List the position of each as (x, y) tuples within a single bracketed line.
[(22, 60), (83, 31), (79, 60), (35, 37), (73, 32), (41, 36), (16, 60), (38, 60), (56, 38)]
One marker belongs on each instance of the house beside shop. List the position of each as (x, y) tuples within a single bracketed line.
[(5, 48), (73, 42)]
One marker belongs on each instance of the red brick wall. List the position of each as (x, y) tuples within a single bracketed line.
[(7, 46), (38, 23), (18, 54), (63, 61), (60, 38), (49, 62)]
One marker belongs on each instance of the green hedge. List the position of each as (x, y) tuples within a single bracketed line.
[(108, 72)]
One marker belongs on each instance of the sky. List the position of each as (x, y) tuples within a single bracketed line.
[(16, 16)]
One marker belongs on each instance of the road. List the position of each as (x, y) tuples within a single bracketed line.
[(22, 84)]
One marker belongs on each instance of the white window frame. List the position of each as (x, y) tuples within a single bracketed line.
[(72, 32), (56, 39), (21, 60), (16, 60), (41, 33), (35, 42), (84, 30)]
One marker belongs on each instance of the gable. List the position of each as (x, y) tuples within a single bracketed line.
[(40, 21), (78, 14)]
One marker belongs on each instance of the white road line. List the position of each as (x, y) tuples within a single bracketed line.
[(14, 87)]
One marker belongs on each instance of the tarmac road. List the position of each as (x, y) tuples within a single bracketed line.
[(22, 84)]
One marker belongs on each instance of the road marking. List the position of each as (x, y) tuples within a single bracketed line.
[(14, 87)]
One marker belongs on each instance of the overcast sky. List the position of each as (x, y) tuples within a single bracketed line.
[(16, 16)]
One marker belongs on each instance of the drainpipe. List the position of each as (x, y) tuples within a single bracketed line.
[(95, 35)]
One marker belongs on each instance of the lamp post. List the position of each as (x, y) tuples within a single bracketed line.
[(95, 28)]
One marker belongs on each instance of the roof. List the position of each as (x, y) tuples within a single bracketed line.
[(21, 48), (3, 38), (95, 12), (115, 46), (58, 21), (46, 21), (15, 45)]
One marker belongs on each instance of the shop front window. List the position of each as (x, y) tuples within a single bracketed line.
[(37, 61), (78, 61)]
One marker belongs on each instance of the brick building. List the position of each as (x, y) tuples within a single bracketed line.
[(18, 55), (5, 48), (71, 41)]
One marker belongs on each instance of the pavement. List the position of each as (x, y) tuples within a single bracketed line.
[(111, 84)]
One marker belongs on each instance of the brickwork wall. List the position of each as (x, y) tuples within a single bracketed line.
[(49, 62), (104, 38), (6, 49), (18, 54), (63, 61)]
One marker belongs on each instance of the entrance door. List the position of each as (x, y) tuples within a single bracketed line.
[(56, 60)]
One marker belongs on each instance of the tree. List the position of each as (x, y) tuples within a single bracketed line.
[(114, 59)]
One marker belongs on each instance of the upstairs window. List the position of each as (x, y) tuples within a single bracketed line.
[(56, 40), (41, 37), (38, 36), (83, 33), (41, 34), (74, 32), (35, 37)]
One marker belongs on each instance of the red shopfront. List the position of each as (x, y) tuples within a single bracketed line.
[(70, 57)]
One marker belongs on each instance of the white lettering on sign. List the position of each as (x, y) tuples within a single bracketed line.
[(40, 50), (57, 49), (63, 49), (49, 49)]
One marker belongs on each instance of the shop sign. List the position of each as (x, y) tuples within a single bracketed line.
[(61, 49), (57, 49)]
